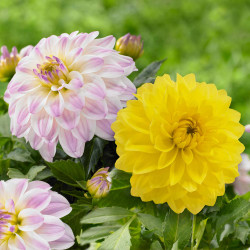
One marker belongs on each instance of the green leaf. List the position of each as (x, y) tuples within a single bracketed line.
[(152, 223), (32, 173), (148, 74), (4, 165), (20, 154), (119, 240), (177, 227), (156, 246), (242, 231), (199, 233), (3, 87), (106, 214), (96, 233), (5, 125), (231, 212), (68, 171), (92, 153), (78, 211)]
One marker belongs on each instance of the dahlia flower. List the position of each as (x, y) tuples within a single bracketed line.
[(130, 45), (242, 182), (68, 89), (30, 217), (180, 142), (100, 183), (9, 61)]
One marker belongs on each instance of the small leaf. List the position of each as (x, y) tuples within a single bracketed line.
[(156, 246), (199, 233), (32, 173), (177, 227), (230, 213), (106, 214), (96, 233), (92, 153), (20, 154), (148, 74), (119, 240), (68, 171), (242, 231), (152, 223)]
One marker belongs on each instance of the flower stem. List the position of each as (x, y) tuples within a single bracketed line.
[(193, 231)]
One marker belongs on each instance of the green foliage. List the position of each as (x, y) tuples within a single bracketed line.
[(177, 227)]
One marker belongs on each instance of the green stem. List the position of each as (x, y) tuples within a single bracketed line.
[(193, 231)]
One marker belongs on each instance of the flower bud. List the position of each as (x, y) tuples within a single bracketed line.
[(9, 61), (99, 185), (130, 45)]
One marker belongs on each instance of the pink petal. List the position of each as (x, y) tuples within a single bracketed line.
[(106, 42), (52, 228), (35, 141), (34, 241), (103, 129), (38, 184), (85, 129), (26, 51), (48, 150), (30, 219), (59, 206), (16, 243), (35, 198), (17, 130), (66, 241), (72, 146), (37, 100), (91, 65), (111, 71), (55, 104), (95, 91), (69, 119), (22, 114), (114, 105), (42, 123), (15, 188), (74, 101), (95, 109)]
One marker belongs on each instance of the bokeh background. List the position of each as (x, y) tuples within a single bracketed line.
[(210, 38)]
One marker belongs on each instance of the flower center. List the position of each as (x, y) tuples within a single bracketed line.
[(8, 220), (53, 73), (187, 134)]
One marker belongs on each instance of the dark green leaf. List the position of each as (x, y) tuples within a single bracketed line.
[(177, 227), (242, 231), (21, 155), (4, 165), (199, 233), (106, 214), (96, 233), (119, 240), (156, 245), (68, 171), (148, 74), (92, 153), (3, 87), (152, 223)]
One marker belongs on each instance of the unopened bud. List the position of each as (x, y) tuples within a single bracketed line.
[(130, 45), (99, 185)]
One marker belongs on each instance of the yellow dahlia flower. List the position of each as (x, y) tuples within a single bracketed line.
[(180, 141)]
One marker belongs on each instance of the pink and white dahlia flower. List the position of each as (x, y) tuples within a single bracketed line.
[(69, 89), (30, 217)]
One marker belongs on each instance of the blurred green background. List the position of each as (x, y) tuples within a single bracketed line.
[(210, 38)]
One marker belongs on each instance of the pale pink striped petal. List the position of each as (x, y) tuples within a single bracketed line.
[(66, 241), (68, 120), (95, 109), (74, 101), (106, 42), (30, 219), (52, 228), (58, 206), (103, 129), (111, 71), (48, 150), (35, 242), (35, 140), (38, 184), (15, 189), (85, 129), (114, 105), (35, 198), (72, 146), (37, 100), (16, 243), (91, 65), (55, 104)]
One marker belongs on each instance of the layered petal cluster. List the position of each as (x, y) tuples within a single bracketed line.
[(180, 141), (67, 90), (242, 182), (30, 217), (9, 61)]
